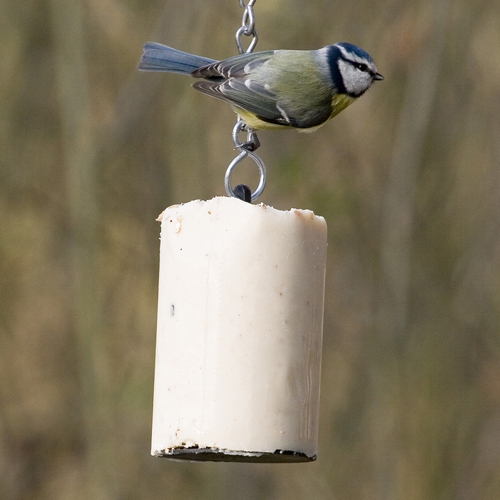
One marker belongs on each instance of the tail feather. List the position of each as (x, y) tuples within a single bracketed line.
[(158, 57)]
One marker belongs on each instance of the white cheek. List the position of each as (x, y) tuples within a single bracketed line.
[(355, 81)]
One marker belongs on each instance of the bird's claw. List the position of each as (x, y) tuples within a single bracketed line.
[(252, 144)]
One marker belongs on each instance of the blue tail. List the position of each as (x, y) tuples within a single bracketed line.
[(158, 57)]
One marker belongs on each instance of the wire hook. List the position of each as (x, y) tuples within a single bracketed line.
[(246, 148), (262, 169)]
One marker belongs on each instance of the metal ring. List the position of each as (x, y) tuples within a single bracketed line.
[(232, 166), (253, 43)]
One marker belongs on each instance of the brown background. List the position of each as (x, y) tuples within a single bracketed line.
[(408, 179)]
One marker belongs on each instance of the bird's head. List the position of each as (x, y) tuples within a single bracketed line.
[(355, 68)]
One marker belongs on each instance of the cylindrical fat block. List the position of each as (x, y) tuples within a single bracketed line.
[(240, 323)]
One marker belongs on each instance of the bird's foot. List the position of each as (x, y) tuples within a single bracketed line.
[(252, 143)]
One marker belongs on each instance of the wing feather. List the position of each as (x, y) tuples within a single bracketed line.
[(248, 82), (235, 66), (259, 101)]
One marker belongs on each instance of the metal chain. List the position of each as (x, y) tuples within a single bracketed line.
[(246, 149), (247, 27)]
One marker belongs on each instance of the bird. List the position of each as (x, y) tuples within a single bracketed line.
[(275, 89)]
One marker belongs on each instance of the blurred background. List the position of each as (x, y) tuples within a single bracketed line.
[(408, 180)]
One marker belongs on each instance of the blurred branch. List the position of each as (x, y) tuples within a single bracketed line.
[(80, 158), (139, 94), (396, 248), (399, 199)]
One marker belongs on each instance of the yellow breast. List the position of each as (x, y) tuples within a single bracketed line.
[(340, 102), (254, 122)]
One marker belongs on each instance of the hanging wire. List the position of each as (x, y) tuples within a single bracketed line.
[(247, 148)]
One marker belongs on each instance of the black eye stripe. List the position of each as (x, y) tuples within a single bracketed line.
[(358, 65)]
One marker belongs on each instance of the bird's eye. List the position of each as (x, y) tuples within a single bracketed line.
[(361, 66)]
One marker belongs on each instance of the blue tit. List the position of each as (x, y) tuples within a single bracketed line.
[(276, 89)]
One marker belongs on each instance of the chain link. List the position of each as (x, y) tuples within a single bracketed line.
[(246, 149), (247, 27)]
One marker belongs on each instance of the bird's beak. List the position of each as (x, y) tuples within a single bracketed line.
[(378, 76)]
